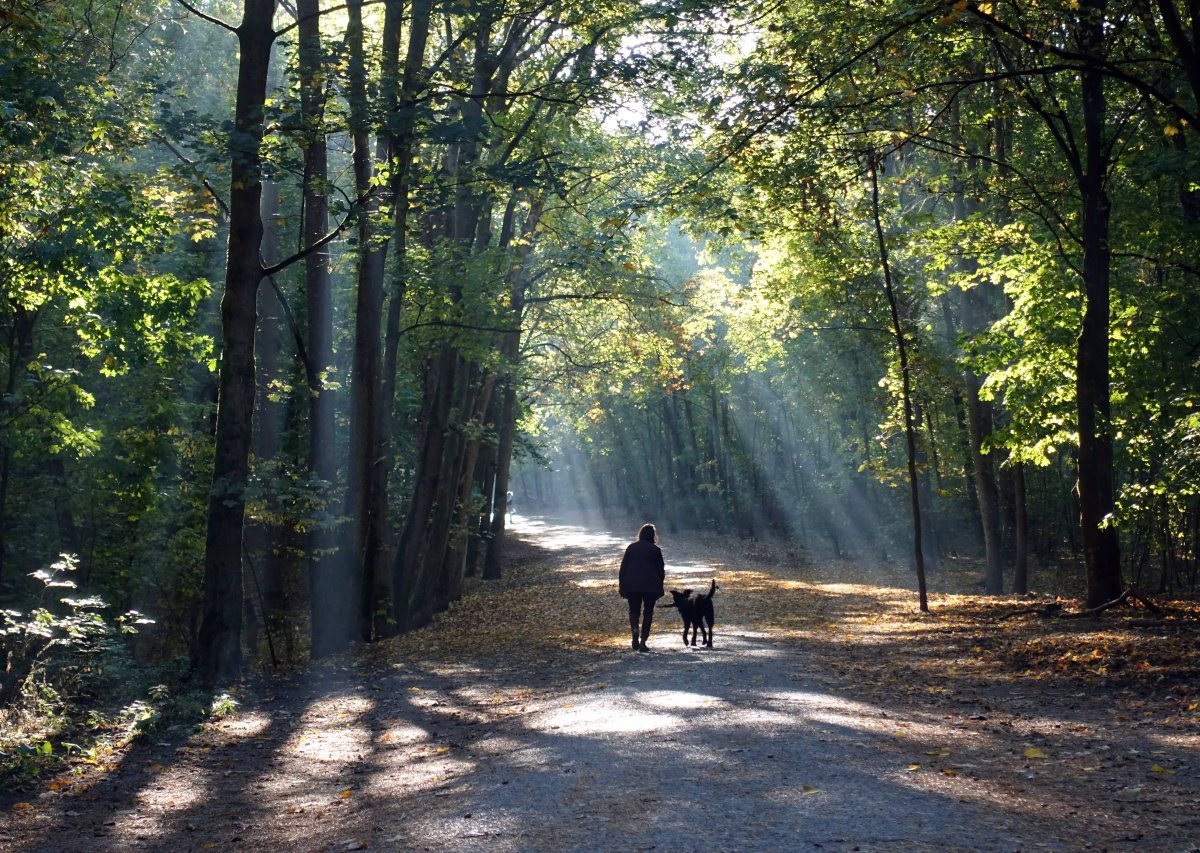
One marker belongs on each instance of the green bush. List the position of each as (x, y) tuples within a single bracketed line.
[(62, 645)]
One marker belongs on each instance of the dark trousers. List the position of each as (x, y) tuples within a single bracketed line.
[(641, 605)]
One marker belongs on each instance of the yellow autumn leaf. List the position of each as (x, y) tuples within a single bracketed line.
[(1034, 752), (21, 807), (1170, 131), (949, 772), (809, 789), (913, 767), (987, 8), (346, 794), (1162, 771)]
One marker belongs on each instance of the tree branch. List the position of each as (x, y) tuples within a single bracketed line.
[(328, 238), (225, 25)]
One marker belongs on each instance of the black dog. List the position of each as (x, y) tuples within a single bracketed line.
[(697, 613)]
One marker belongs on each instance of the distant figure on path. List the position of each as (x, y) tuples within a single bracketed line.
[(508, 505), (641, 583)]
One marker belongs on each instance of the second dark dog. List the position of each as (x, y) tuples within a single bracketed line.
[(696, 612)]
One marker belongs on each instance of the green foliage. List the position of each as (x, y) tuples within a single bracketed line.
[(62, 647)]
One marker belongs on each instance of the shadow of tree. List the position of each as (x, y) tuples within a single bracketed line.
[(828, 714)]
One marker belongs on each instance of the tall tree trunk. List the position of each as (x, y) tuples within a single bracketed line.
[(910, 439), (925, 439), (362, 511), (219, 656), (510, 348), (980, 415), (1020, 531), (455, 564), (20, 354), (980, 425), (411, 566), (269, 584), (419, 567), (329, 607), (987, 490), (1097, 505), (400, 100), (493, 560)]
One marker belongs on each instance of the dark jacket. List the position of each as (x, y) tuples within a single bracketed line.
[(642, 569)]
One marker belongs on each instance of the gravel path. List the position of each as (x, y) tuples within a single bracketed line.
[(729, 749), (585, 745)]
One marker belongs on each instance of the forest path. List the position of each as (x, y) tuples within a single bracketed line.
[(522, 721)]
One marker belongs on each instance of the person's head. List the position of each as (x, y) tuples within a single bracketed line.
[(647, 533)]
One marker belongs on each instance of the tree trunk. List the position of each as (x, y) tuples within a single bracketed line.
[(1020, 531), (268, 533), (400, 100), (20, 354), (363, 514), (493, 560), (219, 656), (419, 569), (924, 439), (980, 417), (1097, 507), (910, 440), (329, 606), (510, 348), (987, 491), (455, 565), (410, 568)]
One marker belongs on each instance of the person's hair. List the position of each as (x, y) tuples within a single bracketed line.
[(647, 533)]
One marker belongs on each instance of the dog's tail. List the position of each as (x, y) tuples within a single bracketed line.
[(712, 589)]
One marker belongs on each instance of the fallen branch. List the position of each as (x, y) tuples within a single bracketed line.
[(1130, 592), (1056, 611)]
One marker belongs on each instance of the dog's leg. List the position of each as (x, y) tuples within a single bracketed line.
[(708, 640)]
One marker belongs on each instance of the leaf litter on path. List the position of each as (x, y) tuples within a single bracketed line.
[(520, 715)]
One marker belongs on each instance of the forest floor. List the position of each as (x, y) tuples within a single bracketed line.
[(830, 715)]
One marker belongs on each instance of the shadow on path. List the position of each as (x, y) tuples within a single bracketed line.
[(557, 737)]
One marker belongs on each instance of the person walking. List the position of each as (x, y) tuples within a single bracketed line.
[(641, 583)]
